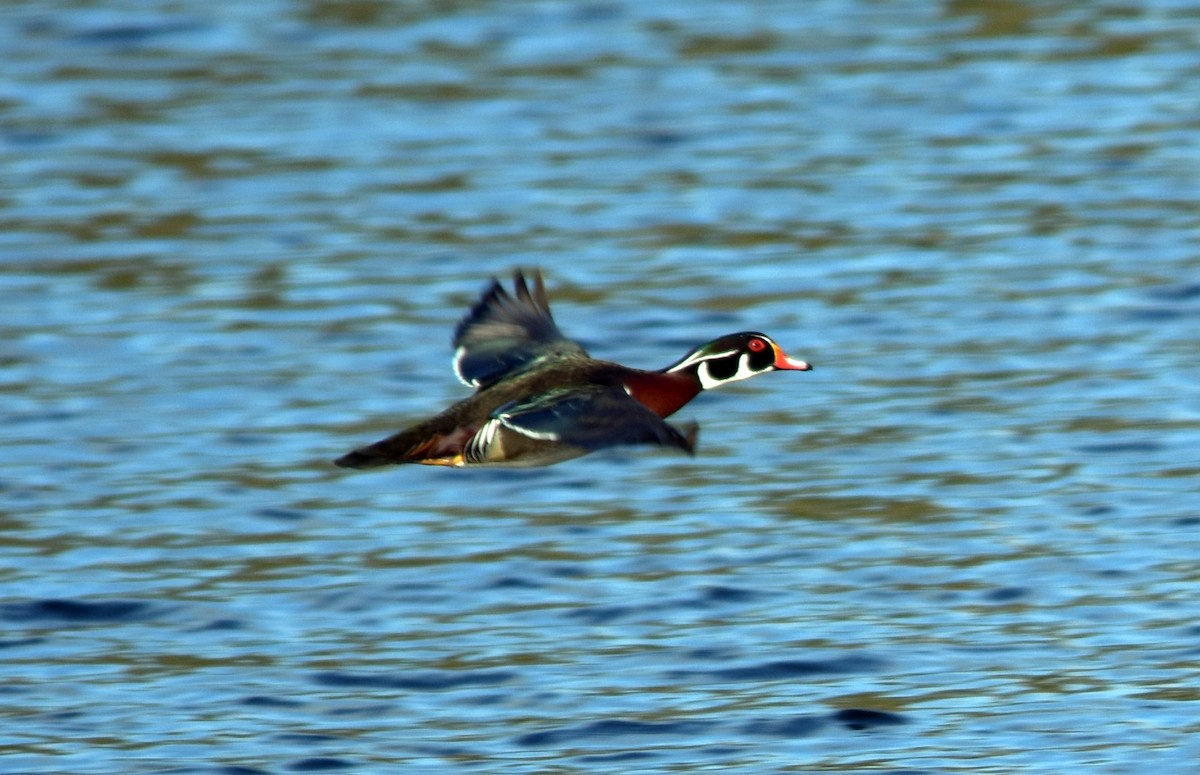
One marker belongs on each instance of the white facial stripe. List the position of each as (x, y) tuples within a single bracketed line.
[(699, 358), (708, 381)]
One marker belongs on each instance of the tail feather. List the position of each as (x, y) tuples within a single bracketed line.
[(414, 445), (360, 458)]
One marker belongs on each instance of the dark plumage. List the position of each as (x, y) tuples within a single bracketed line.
[(541, 399)]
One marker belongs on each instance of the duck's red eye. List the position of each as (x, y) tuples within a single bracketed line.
[(757, 345)]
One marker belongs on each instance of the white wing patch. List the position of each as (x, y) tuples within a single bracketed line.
[(457, 363), (477, 448), (506, 420)]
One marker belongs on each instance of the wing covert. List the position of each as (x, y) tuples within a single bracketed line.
[(503, 333), (593, 417)]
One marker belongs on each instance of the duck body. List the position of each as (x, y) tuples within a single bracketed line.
[(565, 409), (541, 399)]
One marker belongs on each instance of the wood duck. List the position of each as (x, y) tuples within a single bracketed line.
[(541, 399)]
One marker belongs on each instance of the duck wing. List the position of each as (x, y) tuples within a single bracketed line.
[(505, 333), (592, 417)]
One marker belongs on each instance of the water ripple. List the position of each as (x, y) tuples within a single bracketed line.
[(237, 237), (424, 682)]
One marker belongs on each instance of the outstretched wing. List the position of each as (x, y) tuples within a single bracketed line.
[(592, 417), (505, 332)]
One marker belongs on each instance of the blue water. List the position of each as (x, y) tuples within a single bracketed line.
[(236, 238)]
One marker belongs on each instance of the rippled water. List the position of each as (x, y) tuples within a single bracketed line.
[(236, 237)]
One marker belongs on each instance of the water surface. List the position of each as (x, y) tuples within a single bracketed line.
[(236, 238)]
